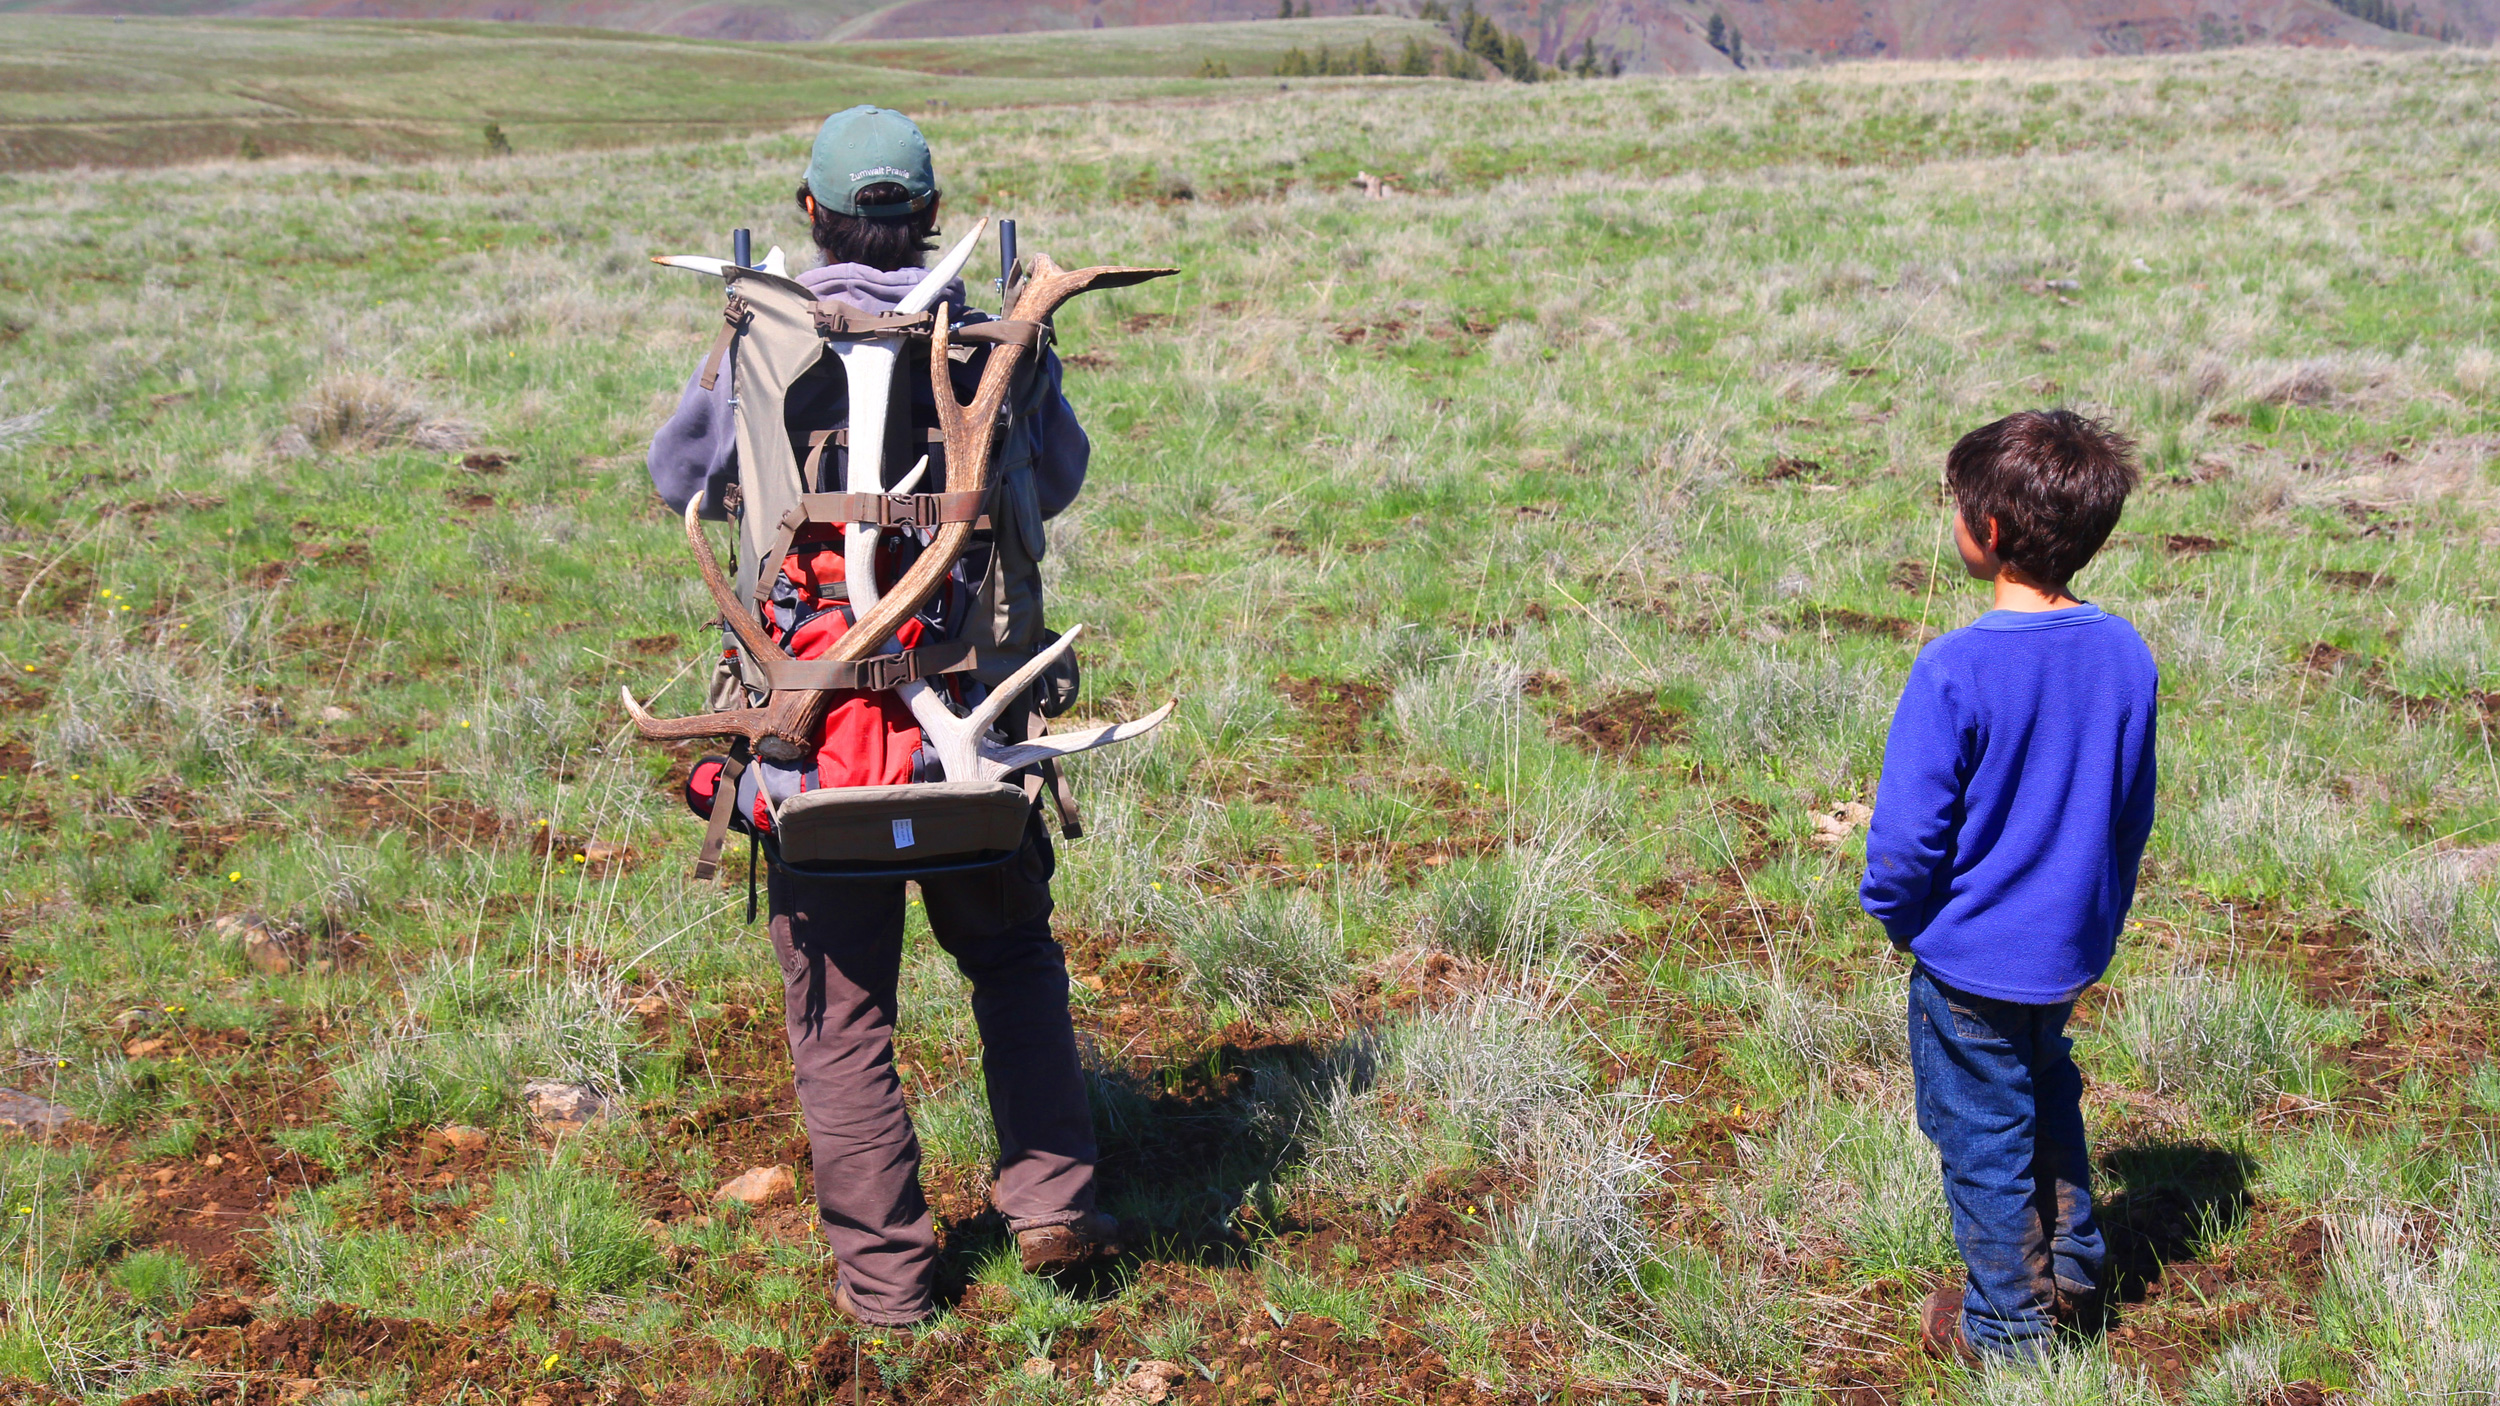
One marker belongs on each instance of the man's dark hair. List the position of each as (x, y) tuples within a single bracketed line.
[(881, 242), (2055, 482)]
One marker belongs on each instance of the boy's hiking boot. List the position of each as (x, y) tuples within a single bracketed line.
[(1940, 1325), (1055, 1249), (2076, 1310)]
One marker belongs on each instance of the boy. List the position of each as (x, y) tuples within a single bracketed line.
[(2016, 797), (871, 199)]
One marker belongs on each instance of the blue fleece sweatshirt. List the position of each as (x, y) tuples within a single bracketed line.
[(2016, 798)]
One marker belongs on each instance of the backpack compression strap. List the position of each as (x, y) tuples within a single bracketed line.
[(734, 319), (883, 509), (873, 674), (724, 805)]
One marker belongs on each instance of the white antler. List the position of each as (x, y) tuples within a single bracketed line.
[(775, 263), (963, 744), (868, 365)]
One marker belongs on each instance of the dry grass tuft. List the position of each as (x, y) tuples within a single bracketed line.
[(362, 410)]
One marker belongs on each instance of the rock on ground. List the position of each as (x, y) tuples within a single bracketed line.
[(1150, 1385), (460, 1137), (1832, 828), (564, 1107), (273, 949), (759, 1186), (25, 1113)]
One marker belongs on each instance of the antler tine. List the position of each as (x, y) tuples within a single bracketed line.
[(733, 612), (784, 720), (978, 721), (958, 740), (1064, 744), (968, 431), (1048, 285)]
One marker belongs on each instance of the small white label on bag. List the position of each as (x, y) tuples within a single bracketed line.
[(902, 834)]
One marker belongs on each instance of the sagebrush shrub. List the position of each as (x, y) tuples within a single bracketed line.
[(2223, 1043), (1263, 949), (2431, 913)]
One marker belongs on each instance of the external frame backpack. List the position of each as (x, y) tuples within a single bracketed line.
[(888, 669)]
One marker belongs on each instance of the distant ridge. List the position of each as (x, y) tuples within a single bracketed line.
[(1644, 35)]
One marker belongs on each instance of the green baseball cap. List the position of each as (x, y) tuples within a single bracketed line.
[(864, 146)]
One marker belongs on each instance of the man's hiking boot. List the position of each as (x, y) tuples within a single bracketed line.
[(1055, 1249), (1940, 1325)]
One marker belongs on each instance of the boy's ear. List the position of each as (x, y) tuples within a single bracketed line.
[(1990, 542)]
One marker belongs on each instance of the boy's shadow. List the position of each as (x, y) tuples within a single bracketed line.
[(2173, 1200)]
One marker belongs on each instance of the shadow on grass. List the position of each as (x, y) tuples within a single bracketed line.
[(2168, 1202), (1190, 1156)]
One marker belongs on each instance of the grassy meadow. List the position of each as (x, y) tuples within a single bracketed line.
[(1476, 1001), (163, 91)]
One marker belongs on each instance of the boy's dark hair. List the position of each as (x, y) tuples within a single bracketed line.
[(2055, 482), (881, 242)]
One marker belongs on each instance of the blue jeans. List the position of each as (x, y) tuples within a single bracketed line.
[(1999, 1095)]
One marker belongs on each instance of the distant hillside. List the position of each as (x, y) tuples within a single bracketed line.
[(1646, 35)]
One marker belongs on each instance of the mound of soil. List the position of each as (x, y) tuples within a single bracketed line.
[(1333, 710), (1622, 725)]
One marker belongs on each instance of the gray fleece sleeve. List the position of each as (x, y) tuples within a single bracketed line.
[(696, 452), (1061, 451)]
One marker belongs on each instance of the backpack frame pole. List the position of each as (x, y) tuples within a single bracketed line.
[(742, 248), (1006, 261)]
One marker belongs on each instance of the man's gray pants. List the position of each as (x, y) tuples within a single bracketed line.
[(840, 945)]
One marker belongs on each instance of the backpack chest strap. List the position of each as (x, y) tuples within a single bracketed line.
[(872, 674), (882, 509), (886, 509)]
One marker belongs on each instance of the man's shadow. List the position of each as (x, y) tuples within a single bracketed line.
[(1189, 1159), (2167, 1203)]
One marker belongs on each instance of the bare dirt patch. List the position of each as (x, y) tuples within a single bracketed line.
[(1912, 576), (1842, 620), (1334, 711), (1623, 725), (2189, 544)]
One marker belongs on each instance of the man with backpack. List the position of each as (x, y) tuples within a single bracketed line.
[(872, 199)]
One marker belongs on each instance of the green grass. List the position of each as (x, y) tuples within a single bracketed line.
[(160, 91), (1464, 1046), (166, 90)]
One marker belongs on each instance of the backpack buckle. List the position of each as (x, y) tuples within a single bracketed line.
[(879, 672)]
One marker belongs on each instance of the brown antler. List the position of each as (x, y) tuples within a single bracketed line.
[(789, 717), (1048, 285), (970, 431)]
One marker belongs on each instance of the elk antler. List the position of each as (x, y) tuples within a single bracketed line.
[(787, 718), (969, 433), (785, 725), (962, 743)]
